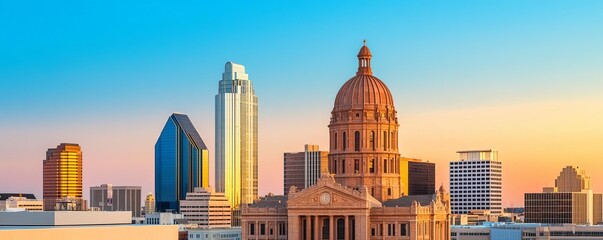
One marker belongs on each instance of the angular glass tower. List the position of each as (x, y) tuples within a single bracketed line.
[(236, 137), (181, 162)]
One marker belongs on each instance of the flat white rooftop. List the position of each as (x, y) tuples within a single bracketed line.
[(64, 218)]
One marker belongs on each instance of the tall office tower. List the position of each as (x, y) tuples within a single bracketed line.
[(418, 176), (236, 137), (149, 204), (572, 179), (476, 182), (181, 162), (206, 208), (107, 197), (571, 200), (62, 180), (303, 169), (364, 134)]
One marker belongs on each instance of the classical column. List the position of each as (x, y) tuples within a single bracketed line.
[(332, 230), (308, 227), (316, 228), (346, 228)]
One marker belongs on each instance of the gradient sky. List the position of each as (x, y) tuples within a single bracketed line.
[(523, 77)]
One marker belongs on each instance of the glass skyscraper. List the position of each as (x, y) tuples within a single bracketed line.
[(181, 162), (236, 137)]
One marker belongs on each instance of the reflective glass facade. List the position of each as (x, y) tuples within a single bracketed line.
[(62, 178), (181, 162), (236, 137)]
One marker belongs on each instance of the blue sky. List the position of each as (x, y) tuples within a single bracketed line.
[(112, 65)]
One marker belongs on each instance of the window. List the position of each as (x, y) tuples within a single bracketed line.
[(384, 140), (334, 166), (342, 165), (372, 166), (391, 229), (252, 229), (389, 191), (356, 165), (345, 141), (262, 229), (372, 140), (403, 229), (384, 165), (357, 141), (335, 143)]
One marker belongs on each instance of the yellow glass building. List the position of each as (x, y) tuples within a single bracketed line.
[(62, 180)]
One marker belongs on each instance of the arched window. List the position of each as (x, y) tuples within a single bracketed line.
[(357, 141), (372, 139), (342, 165), (372, 166), (345, 141), (384, 165)]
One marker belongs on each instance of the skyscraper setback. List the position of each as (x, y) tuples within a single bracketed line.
[(236, 137), (181, 162)]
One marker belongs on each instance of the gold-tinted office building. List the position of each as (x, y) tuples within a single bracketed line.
[(62, 180)]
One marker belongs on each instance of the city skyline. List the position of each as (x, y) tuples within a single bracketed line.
[(529, 86)]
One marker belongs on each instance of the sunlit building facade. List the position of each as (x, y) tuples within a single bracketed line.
[(476, 182), (303, 169), (206, 208), (364, 134), (149, 204), (181, 162), (236, 137), (62, 178)]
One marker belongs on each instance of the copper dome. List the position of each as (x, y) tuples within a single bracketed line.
[(364, 88)]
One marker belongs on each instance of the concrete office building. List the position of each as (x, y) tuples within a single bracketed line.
[(62, 178), (570, 201), (181, 162), (236, 138), (206, 208), (79, 225), (476, 182), (20, 202), (302, 169), (107, 197)]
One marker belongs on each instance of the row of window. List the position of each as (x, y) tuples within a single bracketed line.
[(476, 175), (487, 162), (372, 142), (388, 166), (391, 230), (281, 229)]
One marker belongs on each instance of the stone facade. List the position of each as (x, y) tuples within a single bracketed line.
[(329, 210)]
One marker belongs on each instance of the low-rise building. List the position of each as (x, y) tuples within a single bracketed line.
[(206, 208), (20, 202), (233, 233), (328, 210), (526, 231)]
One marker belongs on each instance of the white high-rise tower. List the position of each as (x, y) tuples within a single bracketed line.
[(236, 138), (476, 182)]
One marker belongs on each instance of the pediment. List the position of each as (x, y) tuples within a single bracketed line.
[(328, 194)]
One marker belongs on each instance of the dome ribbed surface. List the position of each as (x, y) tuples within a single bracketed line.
[(363, 90)]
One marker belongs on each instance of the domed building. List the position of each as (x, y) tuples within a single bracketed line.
[(363, 132), (361, 197)]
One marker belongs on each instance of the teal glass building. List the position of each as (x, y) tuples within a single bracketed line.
[(181, 162)]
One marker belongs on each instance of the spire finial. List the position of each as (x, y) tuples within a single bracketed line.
[(364, 42)]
